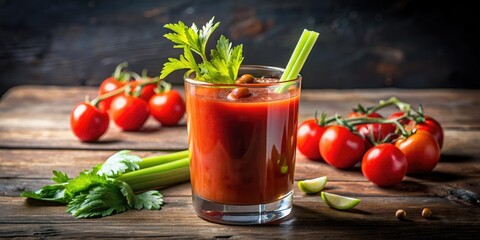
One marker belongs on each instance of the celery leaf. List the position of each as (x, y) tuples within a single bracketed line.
[(119, 163), (224, 62), (152, 200), (101, 200), (60, 177)]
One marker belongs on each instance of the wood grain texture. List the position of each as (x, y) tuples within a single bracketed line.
[(47, 124), (35, 139), (310, 218)]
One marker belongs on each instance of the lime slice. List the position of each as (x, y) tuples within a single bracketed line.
[(339, 202), (312, 186)]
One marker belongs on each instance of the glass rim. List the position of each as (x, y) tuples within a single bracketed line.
[(192, 81)]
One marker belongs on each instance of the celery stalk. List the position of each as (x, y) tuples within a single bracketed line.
[(157, 173), (158, 160), (293, 59), (300, 60), (160, 181)]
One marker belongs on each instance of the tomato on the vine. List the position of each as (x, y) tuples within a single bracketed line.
[(340, 147), (129, 112), (421, 150), (354, 114), (398, 116), (147, 90), (87, 122), (384, 164), (116, 81), (379, 131), (167, 107), (433, 127), (308, 138)]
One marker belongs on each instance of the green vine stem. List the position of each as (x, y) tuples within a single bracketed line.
[(119, 74), (120, 90), (405, 107), (367, 120)]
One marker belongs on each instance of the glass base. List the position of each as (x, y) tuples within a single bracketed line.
[(243, 214)]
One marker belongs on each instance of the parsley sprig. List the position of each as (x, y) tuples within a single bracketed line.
[(110, 187), (224, 61)]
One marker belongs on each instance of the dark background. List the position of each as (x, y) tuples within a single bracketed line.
[(362, 44)]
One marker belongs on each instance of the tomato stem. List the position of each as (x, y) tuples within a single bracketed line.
[(364, 120), (119, 74), (405, 107), (120, 90)]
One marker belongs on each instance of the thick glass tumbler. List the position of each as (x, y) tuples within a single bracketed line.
[(243, 149)]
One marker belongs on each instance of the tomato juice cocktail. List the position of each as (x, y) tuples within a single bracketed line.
[(242, 150)]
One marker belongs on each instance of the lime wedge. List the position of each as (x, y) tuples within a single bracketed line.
[(339, 202), (312, 186)]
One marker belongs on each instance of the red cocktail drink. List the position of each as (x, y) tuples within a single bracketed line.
[(242, 150)]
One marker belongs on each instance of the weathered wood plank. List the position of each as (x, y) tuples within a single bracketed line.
[(38, 164), (22, 170), (38, 117), (310, 217)]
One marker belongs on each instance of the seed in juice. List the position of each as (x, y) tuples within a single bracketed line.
[(240, 92), (245, 78)]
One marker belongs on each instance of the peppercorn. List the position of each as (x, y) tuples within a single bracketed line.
[(426, 213), (400, 214)]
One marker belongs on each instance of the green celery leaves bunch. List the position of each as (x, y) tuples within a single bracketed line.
[(224, 62), (110, 187)]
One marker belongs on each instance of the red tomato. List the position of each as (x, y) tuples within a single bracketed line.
[(128, 112), (167, 107), (359, 114), (379, 131), (147, 92), (108, 85), (308, 139), (88, 123), (384, 164), (433, 127), (398, 115), (422, 151), (341, 148)]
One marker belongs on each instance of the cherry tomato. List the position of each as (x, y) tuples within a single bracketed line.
[(384, 164), (359, 114), (147, 92), (398, 115), (341, 148), (422, 151), (380, 131), (433, 127), (308, 139), (167, 107), (88, 123), (128, 112), (108, 85)]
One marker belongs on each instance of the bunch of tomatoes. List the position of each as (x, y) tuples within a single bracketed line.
[(128, 99), (405, 142)]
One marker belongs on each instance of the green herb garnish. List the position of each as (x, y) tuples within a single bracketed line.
[(110, 187), (224, 62)]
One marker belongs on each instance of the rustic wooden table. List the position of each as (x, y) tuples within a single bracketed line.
[(35, 139)]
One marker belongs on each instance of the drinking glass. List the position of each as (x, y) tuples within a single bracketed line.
[(243, 149)]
